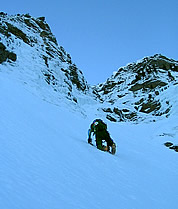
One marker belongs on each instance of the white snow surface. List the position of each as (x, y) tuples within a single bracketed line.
[(46, 162)]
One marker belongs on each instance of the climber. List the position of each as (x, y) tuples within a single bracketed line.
[(99, 129)]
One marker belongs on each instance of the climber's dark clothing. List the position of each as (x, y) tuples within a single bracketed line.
[(103, 136), (99, 129)]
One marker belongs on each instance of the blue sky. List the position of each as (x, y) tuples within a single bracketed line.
[(102, 36)]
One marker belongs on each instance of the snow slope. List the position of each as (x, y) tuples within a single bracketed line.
[(45, 162), (46, 107)]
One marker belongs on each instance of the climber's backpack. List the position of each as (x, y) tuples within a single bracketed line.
[(99, 125)]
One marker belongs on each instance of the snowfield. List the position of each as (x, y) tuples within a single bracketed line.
[(46, 162), (46, 108)]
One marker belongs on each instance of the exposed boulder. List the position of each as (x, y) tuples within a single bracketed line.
[(170, 145), (17, 32), (6, 55)]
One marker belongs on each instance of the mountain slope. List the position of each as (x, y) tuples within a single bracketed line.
[(137, 92), (30, 52), (46, 109), (141, 90), (46, 162)]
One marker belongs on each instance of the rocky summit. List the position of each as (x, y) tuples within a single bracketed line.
[(141, 91)]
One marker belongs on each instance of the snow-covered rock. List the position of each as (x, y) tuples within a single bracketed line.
[(144, 90), (30, 53)]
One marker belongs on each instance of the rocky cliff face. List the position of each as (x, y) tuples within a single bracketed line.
[(140, 90), (28, 45), (29, 52)]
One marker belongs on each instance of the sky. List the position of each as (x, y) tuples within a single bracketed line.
[(102, 36)]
